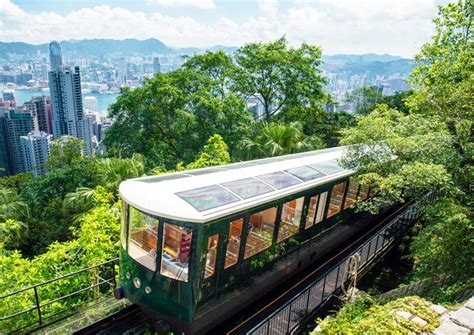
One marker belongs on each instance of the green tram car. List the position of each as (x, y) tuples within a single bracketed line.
[(200, 245)]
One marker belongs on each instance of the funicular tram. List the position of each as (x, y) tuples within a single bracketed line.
[(200, 245)]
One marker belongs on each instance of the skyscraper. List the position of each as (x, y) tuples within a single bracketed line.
[(55, 56), (156, 65), (66, 99), (4, 156), (40, 108), (35, 149), (16, 123)]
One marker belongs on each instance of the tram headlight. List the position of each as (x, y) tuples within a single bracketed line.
[(148, 290), (137, 282)]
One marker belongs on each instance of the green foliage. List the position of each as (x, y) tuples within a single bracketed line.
[(215, 152), (93, 242), (364, 316), (449, 232), (366, 99), (444, 81), (278, 76), (66, 152), (112, 171), (401, 155), (275, 139), (318, 122), (171, 116), (49, 220)]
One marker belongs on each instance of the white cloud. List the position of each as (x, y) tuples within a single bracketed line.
[(268, 8), (203, 4), (342, 26)]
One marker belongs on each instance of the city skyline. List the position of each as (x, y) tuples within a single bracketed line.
[(368, 26)]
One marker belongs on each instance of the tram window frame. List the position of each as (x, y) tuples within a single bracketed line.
[(309, 223), (215, 249), (321, 212), (299, 202), (352, 200), (334, 211), (248, 255), (147, 258), (124, 225), (170, 253), (239, 247)]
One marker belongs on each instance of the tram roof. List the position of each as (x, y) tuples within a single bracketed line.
[(203, 195)]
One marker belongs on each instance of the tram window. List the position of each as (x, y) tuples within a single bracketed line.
[(351, 195), (290, 218), (321, 207), (233, 242), (176, 252), (260, 231), (312, 207), (363, 193), (211, 255), (123, 227), (142, 238), (337, 195)]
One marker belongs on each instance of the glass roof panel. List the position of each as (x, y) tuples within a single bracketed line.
[(305, 173), (328, 167), (205, 171), (279, 179), (164, 177), (248, 187), (208, 197)]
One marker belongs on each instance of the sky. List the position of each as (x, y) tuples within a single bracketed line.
[(397, 27)]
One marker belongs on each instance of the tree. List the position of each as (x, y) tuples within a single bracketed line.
[(171, 117), (112, 171), (65, 151), (366, 98), (215, 152), (49, 220), (401, 156), (10, 205), (279, 76), (275, 139), (319, 122), (11, 210), (443, 79)]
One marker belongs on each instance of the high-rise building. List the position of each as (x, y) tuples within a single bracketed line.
[(35, 149), (66, 102), (16, 124), (88, 128), (4, 156), (55, 56), (156, 65), (66, 99), (40, 107)]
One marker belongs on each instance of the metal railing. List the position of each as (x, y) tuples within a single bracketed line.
[(29, 309), (287, 318)]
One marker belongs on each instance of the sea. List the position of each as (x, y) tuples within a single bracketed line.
[(104, 100)]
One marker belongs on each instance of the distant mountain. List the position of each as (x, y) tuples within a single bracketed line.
[(380, 68), (98, 47), (345, 58), (131, 46), (371, 65), (93, 47)]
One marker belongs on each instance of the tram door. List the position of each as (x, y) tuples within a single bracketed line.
[(213, 258)]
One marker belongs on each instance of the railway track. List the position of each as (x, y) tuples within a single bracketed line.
[(129, 319)]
